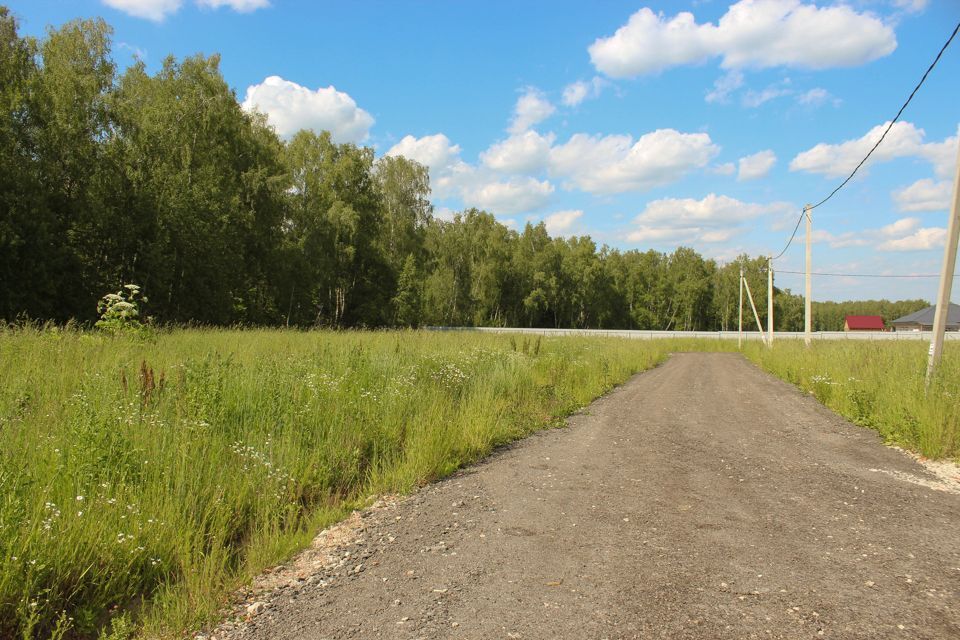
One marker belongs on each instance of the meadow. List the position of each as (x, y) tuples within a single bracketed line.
[(141, 480)]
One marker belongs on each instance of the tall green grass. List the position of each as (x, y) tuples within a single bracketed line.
[(142, 480), (880, 385)]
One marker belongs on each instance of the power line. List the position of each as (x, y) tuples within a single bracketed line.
[(874, 148), (895, 118), (792, 236), (866, 275)]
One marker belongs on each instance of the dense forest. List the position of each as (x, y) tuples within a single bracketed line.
[(164, 181)]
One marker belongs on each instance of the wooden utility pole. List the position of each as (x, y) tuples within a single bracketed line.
[(770, 301), (807, 307), (740, 318), (946, 279), (756, 316)]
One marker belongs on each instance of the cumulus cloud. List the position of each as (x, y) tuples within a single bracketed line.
[(920, 240), (290, 107), (911, 6), (243, 6), (757, 165), (577, 92), (725, 169), (531, 109), (156, 10), (751, 34), (924, 195), (448, 173), (904, 234), (435, 152), (515, 195), (525, 152), (478, 187), (943, 156), (615, 163), (715, 218), (561, 222), (836, 160)]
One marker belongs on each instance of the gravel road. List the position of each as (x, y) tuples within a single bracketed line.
[(702, 499)]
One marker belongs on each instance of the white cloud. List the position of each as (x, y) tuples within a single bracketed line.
[(478, 187), (725, 85), (904, 234), (713, 210), (725, 169), (751, 34), (943, 156), (753, 99), (525, 152), (911, 6), (924, 195), (444, 213), (615, 163), (515, 195), (560, 222), (156, 10), (712, 219), (836, 160), (577, 92), (817, 97), (448, 173), (900, 228), (531, 108), (921, 240), (243, 6), (290, 107), (757, 165), (434, 152)]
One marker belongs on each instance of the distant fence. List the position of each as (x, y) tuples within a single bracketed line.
[(715, 335)]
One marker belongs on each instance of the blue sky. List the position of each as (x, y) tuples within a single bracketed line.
[(644, 124)]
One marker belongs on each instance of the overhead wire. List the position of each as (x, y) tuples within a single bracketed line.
[(895, 118), (866, 275), (792, 236), (877, 144)]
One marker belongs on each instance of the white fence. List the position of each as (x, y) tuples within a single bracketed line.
[(716, 335)]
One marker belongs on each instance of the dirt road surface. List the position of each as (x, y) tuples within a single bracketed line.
[(703, 499)]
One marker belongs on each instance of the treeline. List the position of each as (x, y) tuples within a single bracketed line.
[(164, 181)]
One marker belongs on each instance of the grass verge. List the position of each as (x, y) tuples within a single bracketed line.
[(879, 385)]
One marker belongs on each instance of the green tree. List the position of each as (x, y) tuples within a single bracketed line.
[(408, 302)]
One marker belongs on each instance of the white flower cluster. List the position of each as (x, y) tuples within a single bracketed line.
[(254, 459), (450, 375)]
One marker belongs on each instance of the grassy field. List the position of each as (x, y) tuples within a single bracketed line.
[(879, 385), (144, 479), (141, 480)]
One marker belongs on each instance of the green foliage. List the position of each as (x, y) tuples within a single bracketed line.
[(120, 311), (175, 468)]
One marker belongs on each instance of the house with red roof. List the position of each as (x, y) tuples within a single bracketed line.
[(863, 323)]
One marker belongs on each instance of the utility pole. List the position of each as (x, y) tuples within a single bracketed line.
[(740, 318), (946, 279), (807, 307), (770, 300)]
